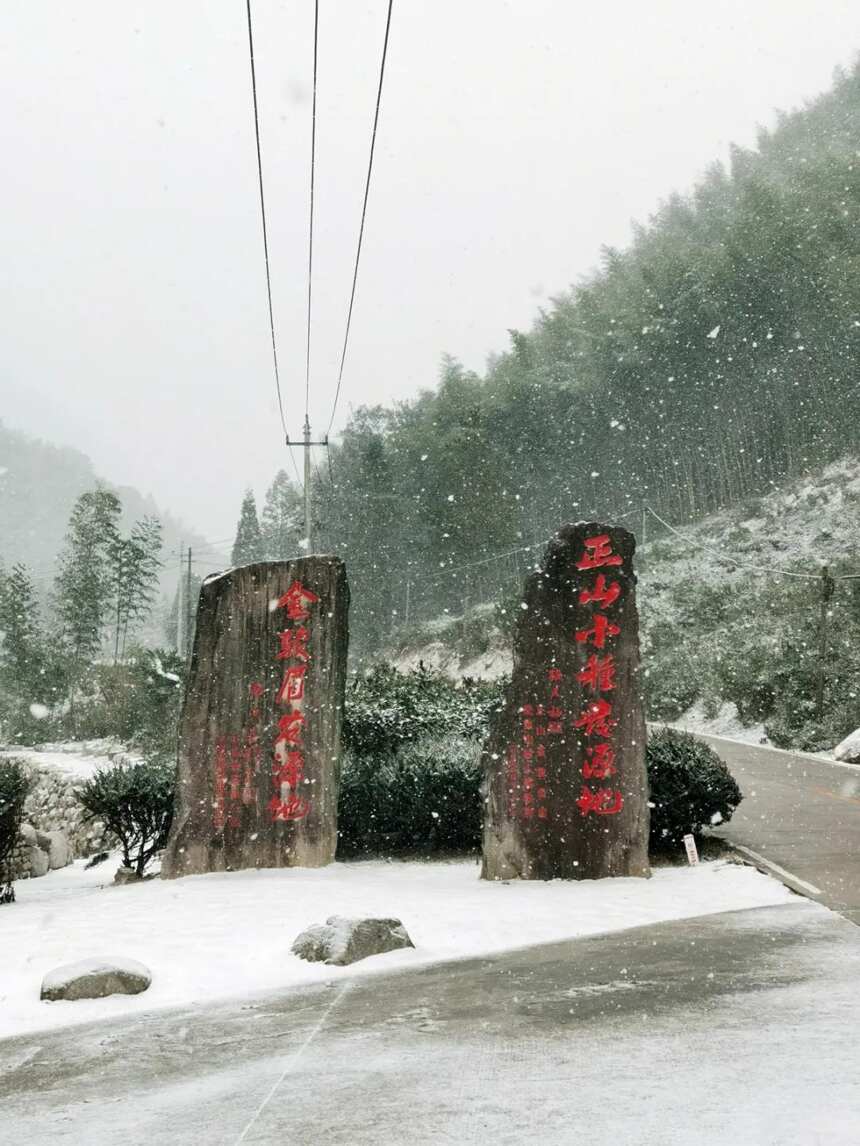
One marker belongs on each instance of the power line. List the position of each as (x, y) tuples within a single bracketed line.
[(311, 224), (363, 216), (263, 218)]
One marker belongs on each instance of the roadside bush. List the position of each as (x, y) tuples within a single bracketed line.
[(386, 709), (690, 785), (14, 785), (136, 804), (422, 799)]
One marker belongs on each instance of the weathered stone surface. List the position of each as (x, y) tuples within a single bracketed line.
[(37, 862), (96, 978), (259, 749), (28, 834), (564, 764), (341, 941), (59, 851), (848, 749), (126, 875)]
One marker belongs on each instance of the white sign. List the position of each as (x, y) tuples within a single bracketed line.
[(692, 850)]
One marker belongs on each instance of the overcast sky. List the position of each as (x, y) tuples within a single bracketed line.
[(515, 139)]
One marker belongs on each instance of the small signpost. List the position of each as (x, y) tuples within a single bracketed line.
[(564, 765), (692, 850), (259, 744)]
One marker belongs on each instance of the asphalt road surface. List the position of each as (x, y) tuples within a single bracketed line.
[(801, 814), (735, 1028)]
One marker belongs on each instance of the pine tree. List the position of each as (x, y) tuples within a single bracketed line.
[(86, 583), (282, 519), (248, 546)]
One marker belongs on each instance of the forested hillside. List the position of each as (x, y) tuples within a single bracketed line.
[(714, 357), (39, 485)]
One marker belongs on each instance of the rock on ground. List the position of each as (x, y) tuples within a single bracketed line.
[(848, 750), (341, 941), (96, 978)]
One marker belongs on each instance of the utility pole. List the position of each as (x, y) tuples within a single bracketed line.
[(306, 446), (180, 608), (189, 616), (827, 587)]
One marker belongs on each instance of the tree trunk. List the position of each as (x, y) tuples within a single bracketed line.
[(259, 746), (564, 764)]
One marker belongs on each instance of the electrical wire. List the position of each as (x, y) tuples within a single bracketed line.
[(311, 223), (363, 217), (263, 219), (731, 560)]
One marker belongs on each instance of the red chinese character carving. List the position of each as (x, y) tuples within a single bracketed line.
[(296, 600), (599, 631), (293, 685), (294, 643), (293, 808), (554, 712), (602, 594), (555, 674), (600, 762), (603, 802), (256, 690), (598, 551), (599, 673), (595, 721), (555, 728), (541, 813), (290, 728), (528, 710), (289, 771)]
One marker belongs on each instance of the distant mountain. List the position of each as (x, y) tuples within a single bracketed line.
[(39, 484)]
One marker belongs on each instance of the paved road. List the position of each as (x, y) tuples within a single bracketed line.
[(731, 1028), (802, 814)]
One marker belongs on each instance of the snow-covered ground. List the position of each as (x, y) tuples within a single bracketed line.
[(213, 937), (78, 759), (726, 723)]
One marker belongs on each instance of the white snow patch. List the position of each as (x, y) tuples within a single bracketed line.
[(78, 759), (212, 937), (726, 723), (849, 748)]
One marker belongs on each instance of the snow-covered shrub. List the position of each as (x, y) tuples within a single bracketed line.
[(386, 708), (137, 702), (14, 785), (690, 787), (423, 798), (135, 802)]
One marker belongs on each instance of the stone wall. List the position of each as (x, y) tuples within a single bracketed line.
[(54, 831)]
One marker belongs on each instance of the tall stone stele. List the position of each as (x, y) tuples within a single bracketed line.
[(259, 742), (564, 764)]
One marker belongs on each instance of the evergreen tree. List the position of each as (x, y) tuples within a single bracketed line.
[(136, 563), (22, 645), (282, 519), (248, 546), (85, 586)]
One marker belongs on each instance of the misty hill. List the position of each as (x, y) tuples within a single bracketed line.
[(730, 615), (39, 484), (715, 357)]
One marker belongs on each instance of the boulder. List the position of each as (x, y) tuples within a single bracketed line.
[(96, 978), (37, 861), (59, 851), (28, 835), (126, 875), (848, 750), (341, 941)]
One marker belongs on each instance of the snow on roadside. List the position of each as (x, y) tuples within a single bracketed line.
[(212, 937), (726, 723)]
